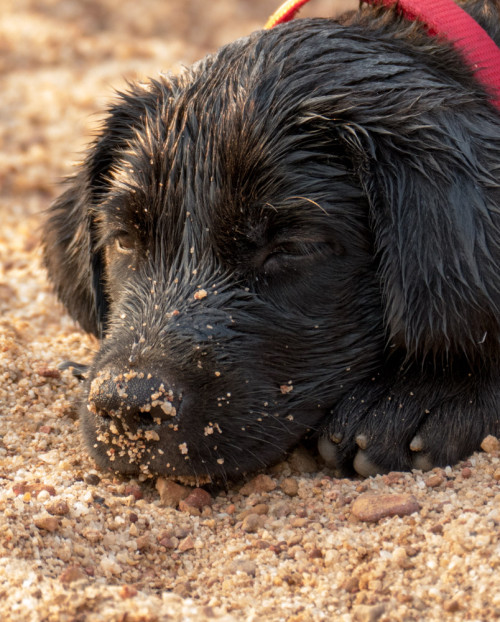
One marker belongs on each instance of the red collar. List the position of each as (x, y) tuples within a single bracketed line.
[(442, 17)]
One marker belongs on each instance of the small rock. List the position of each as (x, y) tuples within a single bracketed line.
[(371, 508), (21, 488), (72, 573), (466, 473), (351, 585), (200, 294), (170, 492), (198, 499), (48, 372), (58, 508), (261, 483), (143, 543), (301, 461), (316, 554), (168, 543), (434, 480), (290, 486), (128, 591), (400, 557), (451, 605), (491, 445), (368, 613), (133, 490), (261, 509), (47, 522), (243, 565), (186, 544), (92, 479), (281, 509), (251, 523)]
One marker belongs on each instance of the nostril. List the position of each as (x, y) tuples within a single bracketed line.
[(133, 397)]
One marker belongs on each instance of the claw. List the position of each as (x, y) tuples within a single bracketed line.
[(417, 443), (364, 466), (336, 437), (422, 462), (328, 451), (362, 441)]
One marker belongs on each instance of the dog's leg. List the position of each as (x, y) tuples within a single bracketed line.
[(404, 419)]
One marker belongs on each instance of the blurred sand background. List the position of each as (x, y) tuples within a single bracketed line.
[(80, 545)]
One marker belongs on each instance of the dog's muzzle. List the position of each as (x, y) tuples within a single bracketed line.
[(135, 400)]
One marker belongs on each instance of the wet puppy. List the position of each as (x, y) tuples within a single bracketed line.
[(299, 235)]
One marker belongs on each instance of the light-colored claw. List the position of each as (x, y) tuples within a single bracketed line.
[(361, 441), (328, 451), (364, 466), (336, 437), (422, 462), (417, 443)]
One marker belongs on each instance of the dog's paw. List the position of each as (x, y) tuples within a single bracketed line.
[(417, 423)]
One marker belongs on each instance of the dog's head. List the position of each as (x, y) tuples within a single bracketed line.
[(251, 238)]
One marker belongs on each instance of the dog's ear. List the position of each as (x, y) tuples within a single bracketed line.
[(74, 265), (72, 253), (431, 180), (74, 261), (435, 209)]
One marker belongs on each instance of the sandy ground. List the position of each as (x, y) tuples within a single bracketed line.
[(77, 544)]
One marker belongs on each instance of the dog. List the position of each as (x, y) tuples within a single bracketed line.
[(298, 237)]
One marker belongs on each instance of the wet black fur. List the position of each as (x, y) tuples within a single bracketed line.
[(334, 189)]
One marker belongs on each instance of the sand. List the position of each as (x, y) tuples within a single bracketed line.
[(79, 544)]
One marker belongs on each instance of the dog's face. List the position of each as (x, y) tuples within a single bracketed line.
[(231, 238)]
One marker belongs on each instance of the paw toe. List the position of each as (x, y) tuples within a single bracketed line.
[(365, 466), (328, 450), (422, 462)]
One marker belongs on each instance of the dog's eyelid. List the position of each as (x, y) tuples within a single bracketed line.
[(124, 242)]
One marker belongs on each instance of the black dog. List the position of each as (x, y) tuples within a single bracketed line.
[(298, 236)]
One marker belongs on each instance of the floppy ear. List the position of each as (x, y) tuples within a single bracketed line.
[(435, 208), (74, 265), (74, 262), (72, 256)]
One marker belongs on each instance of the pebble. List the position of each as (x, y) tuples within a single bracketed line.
[(21, 488), (58, 508), (434, 480), (133, 490), (451, 605), (71, 574), (47, 522), (371, 507), (261, 483), (198, 499), (251, 523), (127, 591), (143, 542), (491, 445), (186, 544), (247, 566), (368, 613), (92, 479), (301, 461), (170, 492), (290, 486)]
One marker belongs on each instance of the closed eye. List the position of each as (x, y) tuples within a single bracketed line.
[(124, 243), (292, 255)]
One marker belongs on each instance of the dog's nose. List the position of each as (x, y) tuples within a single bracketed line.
[(132, 397)]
